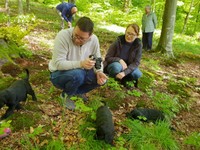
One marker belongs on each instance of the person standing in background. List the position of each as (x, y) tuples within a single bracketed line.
[(66, 11), (149, 22)]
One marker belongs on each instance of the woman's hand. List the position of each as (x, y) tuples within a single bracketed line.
[(122, 62), (120, 75), (101, 78)]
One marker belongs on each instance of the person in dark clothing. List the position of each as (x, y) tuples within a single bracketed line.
[(66, 11), (123, 57)]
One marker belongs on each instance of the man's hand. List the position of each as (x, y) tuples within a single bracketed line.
[(101, 78), (120, 75), (69, 24), (87, 64), (122, 62)]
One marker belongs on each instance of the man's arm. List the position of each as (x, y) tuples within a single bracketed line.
[(64, 12), (60, 52)]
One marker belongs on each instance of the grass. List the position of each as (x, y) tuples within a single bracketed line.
[(149, 136)]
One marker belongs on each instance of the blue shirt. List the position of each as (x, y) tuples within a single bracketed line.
[(65, 9)]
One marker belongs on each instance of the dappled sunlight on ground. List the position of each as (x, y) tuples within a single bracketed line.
[(113, 28)]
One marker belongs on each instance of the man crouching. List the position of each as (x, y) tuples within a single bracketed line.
[(71, 68)]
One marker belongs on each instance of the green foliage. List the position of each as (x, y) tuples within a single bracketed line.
[(25, 120), (150, 136), (134, 93), (88, 132), (168, 104), (186, 46), (178, 87), (80, 106), (113, 84), (83, 5), (193, 139), (118, 95), (55, 145), (37, 131), (25, 21), (13, 33), (3, 125), (146, 81), (29, 141)]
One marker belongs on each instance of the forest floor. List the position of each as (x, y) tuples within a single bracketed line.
[(58, 122), (170, 85)]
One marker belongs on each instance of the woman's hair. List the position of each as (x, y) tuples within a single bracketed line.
[(135, 27)]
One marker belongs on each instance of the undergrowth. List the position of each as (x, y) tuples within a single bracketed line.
[(149, 136)]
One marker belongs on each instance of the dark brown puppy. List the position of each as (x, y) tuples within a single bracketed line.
[(16, 93), (150, 114), (104, 125)]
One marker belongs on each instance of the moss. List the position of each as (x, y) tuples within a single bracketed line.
[(10, 68), (41, 77), (178, 88), (146, 80), (24, 120)]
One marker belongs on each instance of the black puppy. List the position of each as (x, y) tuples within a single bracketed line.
[(14, 94), (104, 125), (150, 114)]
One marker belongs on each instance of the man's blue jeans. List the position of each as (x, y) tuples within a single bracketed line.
[(114, 68), (75, 81)]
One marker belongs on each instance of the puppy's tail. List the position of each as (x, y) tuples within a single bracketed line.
[(27, 74)]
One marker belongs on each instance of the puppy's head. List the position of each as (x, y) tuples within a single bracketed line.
[(2, 102), (2, 99), (134, 114), (109, 138)]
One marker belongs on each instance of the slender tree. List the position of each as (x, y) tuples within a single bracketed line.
[(20, 7), (28, 5), (153, 3), (169, 16), (197, 19), (8, 11), (126, 5), (72, 1), (187, 16)]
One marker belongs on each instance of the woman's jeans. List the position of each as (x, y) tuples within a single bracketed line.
[(114, 68), (74, 81)]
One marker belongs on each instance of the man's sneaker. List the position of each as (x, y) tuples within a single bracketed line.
[(70, 104), (67, 102)]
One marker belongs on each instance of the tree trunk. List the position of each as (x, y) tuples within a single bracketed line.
[(126, 5), (8, 12), (187, 17), (20, 7), (169, 16), (153, 3), (197, 20), (28, 5), (72, 1)]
